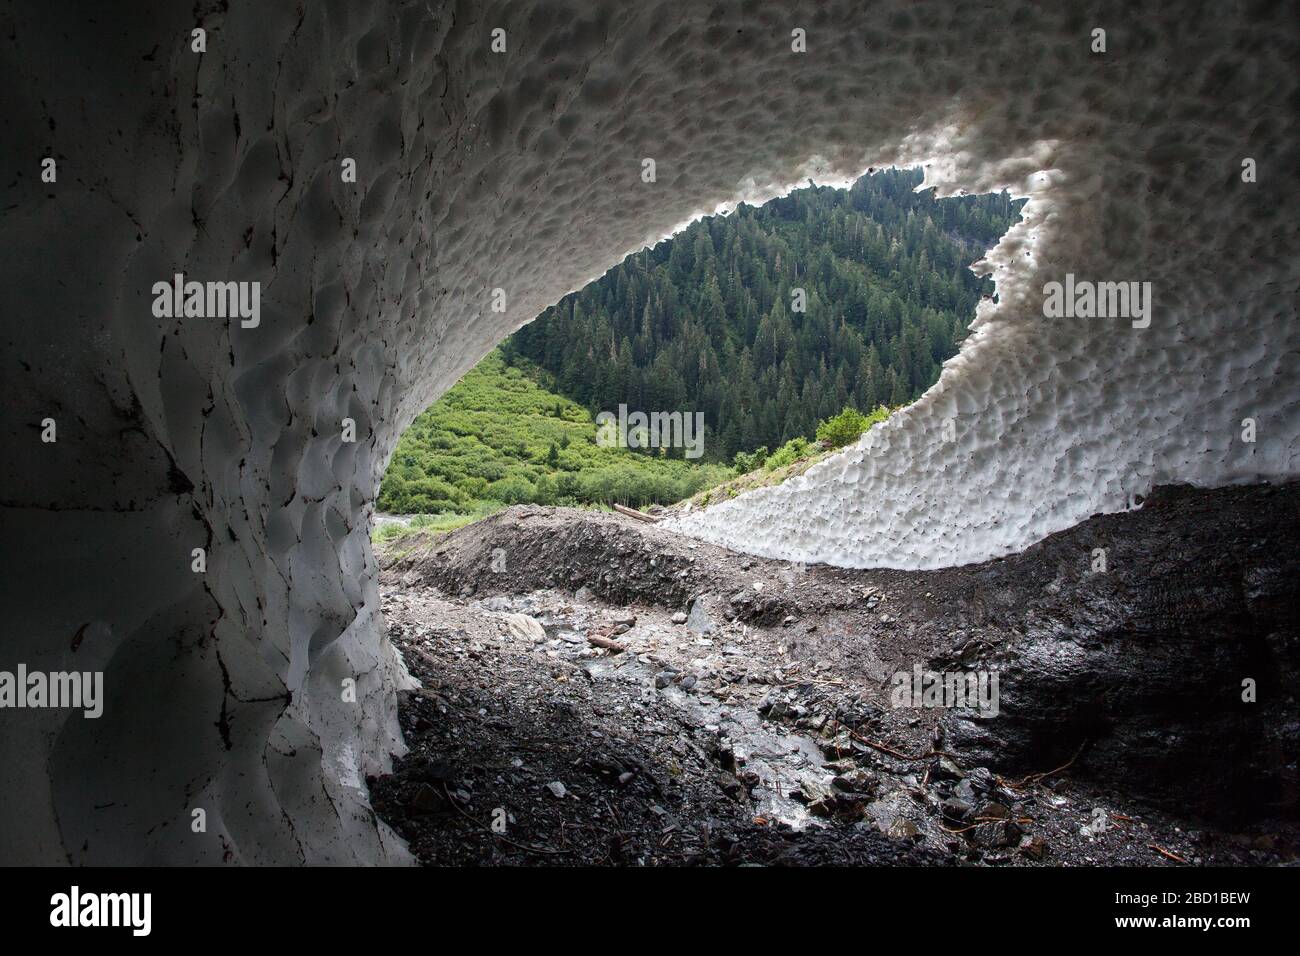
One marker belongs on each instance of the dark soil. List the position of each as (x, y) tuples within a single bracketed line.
[(764, 730)]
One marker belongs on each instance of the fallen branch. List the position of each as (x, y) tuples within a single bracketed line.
[(633, 513), (614, 647)]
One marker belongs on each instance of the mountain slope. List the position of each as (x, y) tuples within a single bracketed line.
[(497, 437), (710, 319)]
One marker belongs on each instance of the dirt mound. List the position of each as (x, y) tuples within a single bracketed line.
[(618, 559), (1123, 645)]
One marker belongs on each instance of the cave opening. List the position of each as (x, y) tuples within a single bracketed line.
[(751, 339)]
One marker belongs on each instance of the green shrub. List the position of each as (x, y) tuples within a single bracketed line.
[(748, 462), (788, 453), (848, 426), (512, 489)]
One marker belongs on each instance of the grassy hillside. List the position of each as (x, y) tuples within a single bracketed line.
[(759, 468), (498, 437)]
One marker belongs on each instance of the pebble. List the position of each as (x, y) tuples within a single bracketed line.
[(955, 808), (698, 620), (526, 628)]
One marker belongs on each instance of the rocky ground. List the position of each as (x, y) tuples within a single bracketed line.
[(598, 691)]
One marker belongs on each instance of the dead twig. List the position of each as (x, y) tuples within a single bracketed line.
[(979, 820), (1038, 777), (614, 813), (1163, 852), (891, 751), (499, 836)]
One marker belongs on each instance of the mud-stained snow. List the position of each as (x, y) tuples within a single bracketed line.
[(522, 171)]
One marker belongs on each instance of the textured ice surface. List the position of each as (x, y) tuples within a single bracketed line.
[(1039, 423), (521, 171)]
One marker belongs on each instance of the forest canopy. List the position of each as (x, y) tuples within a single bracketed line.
[(708, 320)]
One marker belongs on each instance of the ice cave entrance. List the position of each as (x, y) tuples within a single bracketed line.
[(740, 350)]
